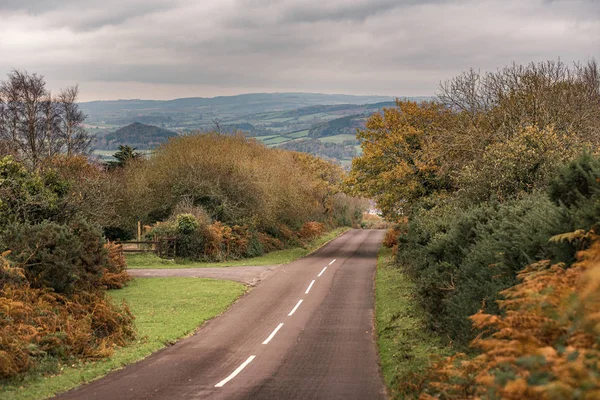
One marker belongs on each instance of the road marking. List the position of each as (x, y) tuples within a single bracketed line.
[(333, 261), (309, 286), (295, 308), (323, 270), (273, 333), (237, 371)]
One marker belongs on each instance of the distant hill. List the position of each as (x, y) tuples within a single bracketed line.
[(137, 135)]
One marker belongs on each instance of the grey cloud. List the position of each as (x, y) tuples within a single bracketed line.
[(354, 46)]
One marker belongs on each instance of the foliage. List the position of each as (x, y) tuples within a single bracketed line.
[(124, 155), (35, 125), (37, 323), (390, 240), (236, 182), (115, 275), (545, 345), (311, 230), (399, 164), (186, 223), (321, 149)]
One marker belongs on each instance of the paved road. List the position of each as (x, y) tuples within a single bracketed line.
[(248, 275), (305, 332)]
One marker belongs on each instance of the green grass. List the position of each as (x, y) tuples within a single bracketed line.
[(149, 260), (338, 138), (405, 345), (166, 309)]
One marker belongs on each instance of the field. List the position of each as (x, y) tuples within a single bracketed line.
[(338, 138)]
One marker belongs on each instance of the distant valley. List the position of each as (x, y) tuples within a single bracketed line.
[(320, 124)]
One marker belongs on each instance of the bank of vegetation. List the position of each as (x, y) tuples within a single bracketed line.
[(495, 188), (221, 197)]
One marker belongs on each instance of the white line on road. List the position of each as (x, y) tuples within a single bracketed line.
[(309, 286), (323, 270), (333, 261), (273, 333), (295, 308), (237, 371)]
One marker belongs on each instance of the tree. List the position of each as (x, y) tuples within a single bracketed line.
[(125, 155), (34, 125), (400, 161), (75, 137)]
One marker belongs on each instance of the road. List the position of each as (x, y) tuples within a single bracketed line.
[(305, 332), (249, 275)]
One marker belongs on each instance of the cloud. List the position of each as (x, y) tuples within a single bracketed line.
[(212, 47)]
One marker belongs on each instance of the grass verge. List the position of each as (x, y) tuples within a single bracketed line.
[(405, 345), (149, 260), (166, 309)]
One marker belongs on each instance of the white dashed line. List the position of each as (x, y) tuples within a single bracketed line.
[(333, 261), (309, 286), (295, 308), (273, 333), (323, 270), (237, 371)]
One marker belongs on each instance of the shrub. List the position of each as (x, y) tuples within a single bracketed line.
[(311, 230), (58, 256), (462, 258), (390, 239), (545, 345), (37, 323), (115, 275), (186, 223)]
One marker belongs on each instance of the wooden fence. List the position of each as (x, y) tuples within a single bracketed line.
[(162, 247)]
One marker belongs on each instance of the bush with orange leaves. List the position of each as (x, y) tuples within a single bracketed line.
[(311, 230), (390, 239), (545, 345), (38, 323), (115, 275)]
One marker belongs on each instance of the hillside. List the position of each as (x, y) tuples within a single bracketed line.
[(137, 135)]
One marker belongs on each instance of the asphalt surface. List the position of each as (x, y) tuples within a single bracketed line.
[(269, 345), (248, 275)]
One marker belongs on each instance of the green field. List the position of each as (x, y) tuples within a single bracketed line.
[(166, 309), (148, 260), (338, 138)]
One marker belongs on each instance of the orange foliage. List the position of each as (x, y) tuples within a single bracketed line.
[(311, 230), (116, 275), (546, 345), (391, 237), (36, 323)]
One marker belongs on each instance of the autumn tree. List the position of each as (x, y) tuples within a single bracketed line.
[(400, 162)]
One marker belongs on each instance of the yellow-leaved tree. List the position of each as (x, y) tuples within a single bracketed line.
[(401, 159)]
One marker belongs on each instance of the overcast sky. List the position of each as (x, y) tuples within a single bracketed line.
[(162, 49)]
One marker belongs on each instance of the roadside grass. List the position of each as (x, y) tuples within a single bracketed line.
[(405, 345), (149, 260), (166, 309)]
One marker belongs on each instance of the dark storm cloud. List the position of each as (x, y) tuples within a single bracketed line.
[(394, 47)]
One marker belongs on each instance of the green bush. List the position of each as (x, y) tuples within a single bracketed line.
[(462, 258), (62, 257), (186, 223)]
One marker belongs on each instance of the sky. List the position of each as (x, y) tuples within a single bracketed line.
[(164, 49)]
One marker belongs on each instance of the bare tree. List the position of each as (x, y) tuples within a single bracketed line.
[(34, 125), (76, 139)]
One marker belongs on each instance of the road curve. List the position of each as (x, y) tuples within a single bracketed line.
[(306, 332)]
